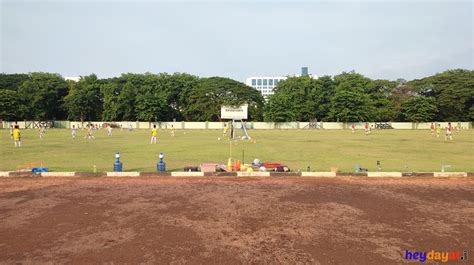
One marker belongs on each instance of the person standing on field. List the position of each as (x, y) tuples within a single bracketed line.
[(449, 132), (73, 132), (42, 131), (432, 127), (17, 136), (224, 132), (109, 130), (353, 128), (90, 132), (366, 128), (154, 133)]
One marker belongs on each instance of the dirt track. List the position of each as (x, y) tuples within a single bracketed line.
[(232, 220)]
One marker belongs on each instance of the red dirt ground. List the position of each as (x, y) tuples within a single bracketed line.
[(232, 220)]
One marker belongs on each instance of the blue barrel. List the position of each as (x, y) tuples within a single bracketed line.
[(118, 166), (161, 166)]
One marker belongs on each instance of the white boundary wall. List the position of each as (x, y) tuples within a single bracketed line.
[(332, 125), (215, 125), (402, 125), (194, 125), (179, 125)]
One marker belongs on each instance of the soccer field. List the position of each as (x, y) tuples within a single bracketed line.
[(222, 220), (397, 150)]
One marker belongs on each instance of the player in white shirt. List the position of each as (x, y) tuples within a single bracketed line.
[(73, 132)]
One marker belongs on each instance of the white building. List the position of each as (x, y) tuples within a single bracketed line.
[(264, 84), (73, 78)]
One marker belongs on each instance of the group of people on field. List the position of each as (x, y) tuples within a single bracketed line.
[(434, 128), (91, 128), (16, 135), (449, 130), (367, 128)]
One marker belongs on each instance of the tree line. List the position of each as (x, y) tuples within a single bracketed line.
[(347, 97)]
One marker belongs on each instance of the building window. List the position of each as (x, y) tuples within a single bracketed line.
[(259, 82), (254, 82), (276, 82), (270, 82), (264, 82)]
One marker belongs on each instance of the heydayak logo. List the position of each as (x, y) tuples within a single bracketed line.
[(433, 255)]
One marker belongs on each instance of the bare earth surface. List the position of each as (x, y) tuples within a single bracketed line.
[(232, 220)]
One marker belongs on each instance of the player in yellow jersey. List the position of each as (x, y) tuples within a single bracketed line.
[(17, 136), (224, 133), (90, 132), (154, 133)]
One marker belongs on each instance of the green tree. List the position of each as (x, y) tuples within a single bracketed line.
[(11, 105), (298, 95), (322, 97), (350, 106), (44, 95), (123, 96), (206, 99), (178, 89), (399, 95), (351, 101), (280, 109), (151, 106), (379, 92), (353, 81), (84, 101), (151, 100), (126, 102), (419, 109), (110, 90), (453, 92), (304, 99), (12, 81)]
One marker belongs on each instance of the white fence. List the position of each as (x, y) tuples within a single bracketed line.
[(250, 125)]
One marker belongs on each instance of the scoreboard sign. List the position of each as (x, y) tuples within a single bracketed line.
[(234, 113)]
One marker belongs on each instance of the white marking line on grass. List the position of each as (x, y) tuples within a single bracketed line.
[(318, 174), (58, 174), (187, 174), (253, 174), (4, 173), (384, 174), (123, 174), (450, 174)]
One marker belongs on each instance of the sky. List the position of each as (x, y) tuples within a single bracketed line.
[(237, 39)]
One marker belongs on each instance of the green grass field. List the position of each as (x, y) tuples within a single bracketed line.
[(398, 150)]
